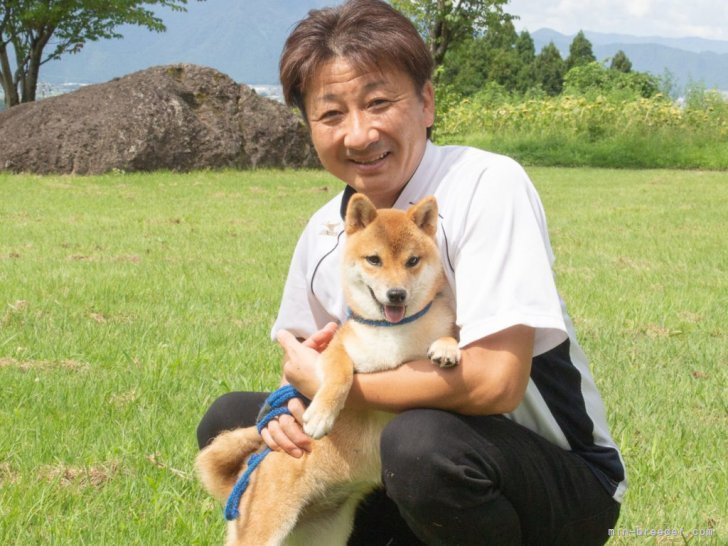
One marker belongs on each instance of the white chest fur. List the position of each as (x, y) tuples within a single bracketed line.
[(377, 348)]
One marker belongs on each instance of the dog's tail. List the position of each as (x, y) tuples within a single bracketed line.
[(220, 463)]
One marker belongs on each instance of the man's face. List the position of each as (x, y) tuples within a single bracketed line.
[(369, 128)]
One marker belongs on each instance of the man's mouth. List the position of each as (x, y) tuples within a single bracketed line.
[(373, 161)]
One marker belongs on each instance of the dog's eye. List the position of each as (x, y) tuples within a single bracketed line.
[(374, 260), (412, 261)]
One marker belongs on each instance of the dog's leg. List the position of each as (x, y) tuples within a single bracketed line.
[(444, 352), (219, 464), (331, 527), (337, 371), (276, 498)]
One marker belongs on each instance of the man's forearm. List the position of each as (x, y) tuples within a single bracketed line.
[(491, 378)]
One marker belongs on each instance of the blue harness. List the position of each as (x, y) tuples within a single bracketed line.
[(274, 406)]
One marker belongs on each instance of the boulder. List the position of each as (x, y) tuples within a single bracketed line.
[(177, 117)]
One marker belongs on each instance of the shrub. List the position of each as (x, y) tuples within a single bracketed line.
[(596, 79), (608, 130)]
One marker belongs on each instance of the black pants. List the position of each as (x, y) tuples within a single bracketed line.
[(458, 480)]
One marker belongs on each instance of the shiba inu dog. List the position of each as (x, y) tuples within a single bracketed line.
[(392, 279)]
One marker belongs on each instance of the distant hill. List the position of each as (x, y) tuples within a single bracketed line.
[(244, 38), (687, 59)]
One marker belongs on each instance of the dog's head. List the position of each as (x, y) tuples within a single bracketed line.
[(392, 265)]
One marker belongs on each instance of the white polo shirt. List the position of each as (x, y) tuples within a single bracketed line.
[(498, 261)]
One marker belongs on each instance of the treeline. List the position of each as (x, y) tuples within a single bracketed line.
[(495, 92), (503, 57)]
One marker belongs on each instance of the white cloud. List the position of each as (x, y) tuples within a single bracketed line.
[(668, 18), (639, 8)]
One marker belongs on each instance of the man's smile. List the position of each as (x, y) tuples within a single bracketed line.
[(372, 161)]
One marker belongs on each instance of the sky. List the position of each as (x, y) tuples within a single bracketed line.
[(666, 18)]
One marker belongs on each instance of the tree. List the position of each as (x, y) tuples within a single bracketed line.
[(596, 79), (621, 62), (526, 51), (525, 47), (499, 56), (550, 69), (28, 27), (446, 23), (580, 52), (466, 67)]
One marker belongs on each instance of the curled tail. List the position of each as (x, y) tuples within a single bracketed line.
[(220, 463)]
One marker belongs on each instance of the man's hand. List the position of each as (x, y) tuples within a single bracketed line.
[(286, 433), (299, 367)]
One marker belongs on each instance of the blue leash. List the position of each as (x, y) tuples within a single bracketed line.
[(274, 406)]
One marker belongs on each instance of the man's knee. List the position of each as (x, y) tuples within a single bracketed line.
[(414, 453), (428, 453), (229, 411)]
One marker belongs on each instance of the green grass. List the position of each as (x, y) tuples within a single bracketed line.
[(129, 302), (654, 149)]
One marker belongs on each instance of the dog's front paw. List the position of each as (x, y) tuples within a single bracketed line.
[(318, 421), (444, 352)]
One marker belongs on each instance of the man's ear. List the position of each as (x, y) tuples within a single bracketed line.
[(360, 212), (424, 215), (428, 101)]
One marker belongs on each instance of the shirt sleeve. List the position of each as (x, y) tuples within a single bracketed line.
[(300, 312), (503, 272)]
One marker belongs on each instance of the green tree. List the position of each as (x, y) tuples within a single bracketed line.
[(499, 56), (37, 31), (466, 67), (525, 48), (580, 52), (447, 23), (596, 79), (621, 62), (526, 51), (550, 69)]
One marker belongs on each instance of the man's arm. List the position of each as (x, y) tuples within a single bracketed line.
[(491, 378)]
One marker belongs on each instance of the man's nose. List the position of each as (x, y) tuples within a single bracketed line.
[(359, 131)]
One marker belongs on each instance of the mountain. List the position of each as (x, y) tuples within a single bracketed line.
[(687, 59), (243, 39), (696, 45)]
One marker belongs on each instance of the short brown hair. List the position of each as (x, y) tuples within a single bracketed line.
[(367, 33)]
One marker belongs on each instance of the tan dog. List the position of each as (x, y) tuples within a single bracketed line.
[(392, 278)]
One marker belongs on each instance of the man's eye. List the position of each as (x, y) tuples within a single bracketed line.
[(378, 103), (329, 115), (374, 260), (412, 261)]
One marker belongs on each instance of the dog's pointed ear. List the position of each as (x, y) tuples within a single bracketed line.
[(424, 215), (360, 212)]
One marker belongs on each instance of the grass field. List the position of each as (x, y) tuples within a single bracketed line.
[(129, 302)]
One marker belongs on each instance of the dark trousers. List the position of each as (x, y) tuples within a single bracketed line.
[(462, 480)]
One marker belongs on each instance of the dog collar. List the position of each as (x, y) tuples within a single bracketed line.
[(361, 320)]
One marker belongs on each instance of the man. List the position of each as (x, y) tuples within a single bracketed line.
[(513, 446)]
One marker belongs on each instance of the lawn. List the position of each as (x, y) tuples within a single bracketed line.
[(128, 302)]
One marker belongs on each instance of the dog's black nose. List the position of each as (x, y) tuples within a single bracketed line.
[(396, 295)]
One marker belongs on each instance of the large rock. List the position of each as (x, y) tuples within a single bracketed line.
[(178, 117)]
